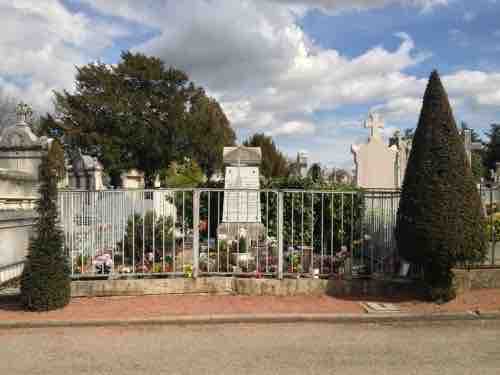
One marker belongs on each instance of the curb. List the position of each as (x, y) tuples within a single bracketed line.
[(257, 318)]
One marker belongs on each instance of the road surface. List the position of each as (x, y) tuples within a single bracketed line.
[(440, 348)]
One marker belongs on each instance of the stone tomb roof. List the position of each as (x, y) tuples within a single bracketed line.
[(242, 155), (20, 137)]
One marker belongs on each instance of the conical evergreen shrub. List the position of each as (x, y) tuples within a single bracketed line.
[(45, 283), (440, 221)]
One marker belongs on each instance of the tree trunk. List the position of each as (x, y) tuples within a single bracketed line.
[(149, 180), (115, 179)]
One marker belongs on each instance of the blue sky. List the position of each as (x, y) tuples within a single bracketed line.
[(306, 72)]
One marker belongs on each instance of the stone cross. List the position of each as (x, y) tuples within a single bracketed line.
[(469, 145), (24, 113), (374, 123)]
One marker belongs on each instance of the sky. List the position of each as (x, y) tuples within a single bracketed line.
[(306, 72)]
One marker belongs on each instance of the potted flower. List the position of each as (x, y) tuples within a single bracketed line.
[(240, 253), (188, 270)]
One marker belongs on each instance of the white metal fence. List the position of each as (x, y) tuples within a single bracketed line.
[(195, 232)]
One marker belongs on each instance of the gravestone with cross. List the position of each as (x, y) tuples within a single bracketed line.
[(469, 145), (375, 162), (374, 123)]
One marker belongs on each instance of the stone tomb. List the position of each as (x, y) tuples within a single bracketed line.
[(84, 172), (21, 153), (375, 161), (241, 210)]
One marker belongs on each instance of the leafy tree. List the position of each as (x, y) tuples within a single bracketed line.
[(136, 114), (274, 163), (407, 135), (139, 237), (338, 175), (309, 208), (184, 175), (315, 173), (440, 222), (209, 132), (492, 152), (45, 283)]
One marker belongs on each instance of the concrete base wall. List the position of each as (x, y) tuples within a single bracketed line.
[(134, 287), (240, 286), (486, 278)]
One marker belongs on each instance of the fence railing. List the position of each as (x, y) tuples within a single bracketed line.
[(279, 233), (490, 197)]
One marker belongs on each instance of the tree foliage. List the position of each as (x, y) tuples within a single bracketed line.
[(492, 151), (209, 132), (184, 175), (138, 114), (315, 173), (142, 237), (45, 283), (315, 215), (274, 163), (440, 222), (406, 136)]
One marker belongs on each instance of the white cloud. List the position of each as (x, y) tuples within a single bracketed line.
[(252, 55), (293, 128), (41, 42), (342, 5)]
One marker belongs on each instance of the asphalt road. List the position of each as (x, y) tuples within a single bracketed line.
[(451, 348)]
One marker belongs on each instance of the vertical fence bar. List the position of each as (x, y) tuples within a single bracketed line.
[(174, 231), (312, 233), (352, 233), (332, 252), (267, 231), (163, 219), (183, 228), (302, 229), (280, 234), (196, 232), (292, 256), (208, 233), (133, 232), (322, 230)]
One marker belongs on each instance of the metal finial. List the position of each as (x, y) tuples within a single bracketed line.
[(24, 113)]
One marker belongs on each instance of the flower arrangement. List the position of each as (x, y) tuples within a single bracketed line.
[(188, 270)]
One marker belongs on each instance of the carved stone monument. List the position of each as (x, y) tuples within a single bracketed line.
[(21, 152), (375, 162), (469, 145), (378, 166), (300, 164), (241, 208), (84, 172)]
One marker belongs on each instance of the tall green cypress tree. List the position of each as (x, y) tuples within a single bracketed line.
[(45, 283), (440, 221)]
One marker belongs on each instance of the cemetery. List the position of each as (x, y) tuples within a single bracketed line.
[(270, 239)]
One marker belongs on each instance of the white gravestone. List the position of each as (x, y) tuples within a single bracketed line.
[(241, 214), (469, 145), (375, 162), (242, 172)]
